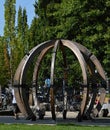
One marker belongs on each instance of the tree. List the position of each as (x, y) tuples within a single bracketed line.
[(86, 22), (3, 63), (22, 33), (9, 37)]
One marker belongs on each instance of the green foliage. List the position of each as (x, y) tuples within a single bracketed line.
[(9, 38), (86, 22), (2, 63), (15, 41)]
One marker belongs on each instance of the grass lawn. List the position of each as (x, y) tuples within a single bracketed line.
[(50, 127)]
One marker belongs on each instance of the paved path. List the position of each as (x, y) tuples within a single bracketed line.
[(48, 120)]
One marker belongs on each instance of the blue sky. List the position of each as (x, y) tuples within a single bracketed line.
[(28, 4)]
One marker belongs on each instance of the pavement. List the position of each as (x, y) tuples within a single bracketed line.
[(59, 120)]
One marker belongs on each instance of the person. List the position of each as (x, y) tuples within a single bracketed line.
[(47, 86), (15, 106), (47, 83)]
